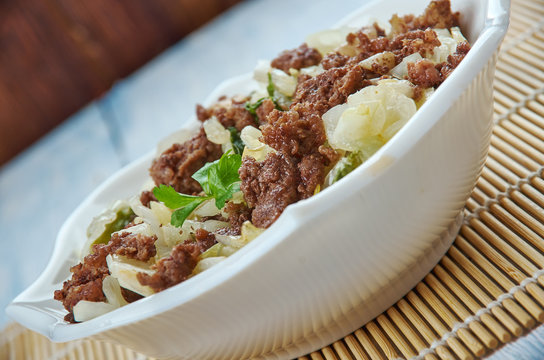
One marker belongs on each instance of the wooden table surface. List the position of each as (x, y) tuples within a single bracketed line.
[(57, 55)]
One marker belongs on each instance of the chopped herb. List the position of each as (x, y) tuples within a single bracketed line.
[(271, 89), (280, 101), (219, 180), (179, 216), (171, 198), (277, 98), (252, 108), (237, 143)]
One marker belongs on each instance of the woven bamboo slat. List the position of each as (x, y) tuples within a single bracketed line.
[(489, 288)]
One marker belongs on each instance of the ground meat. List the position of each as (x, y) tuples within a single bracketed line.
[(330, 155), (78, 289), (228, 231), (229, 112), (298, 58), (202, 113), (414, 41), (401, 45), (298, 135), (180, 264), (177, 164), (204, 239), (86, 281), (437, 14), (268, 187), (173, 269), (238, 214), (130, 296), (292, 133), (423, 73), (460, 52), (312, 173), (262, 111), (146, 197), (330, 88), (87, 276), (365, 46), (447, 67), (134, 246), (333, 60)]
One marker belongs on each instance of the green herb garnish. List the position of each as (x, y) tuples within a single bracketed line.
[(271, 89), (219, 181), (276, 97), (237, 143), (280, 101), (252, 108)]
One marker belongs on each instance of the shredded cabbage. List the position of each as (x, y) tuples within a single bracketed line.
[(126, 270), (254, 147), (385, 59), (328, 40), (86, 310), (370, 117), (207, 263), (108, 222), (215, 132), (401, 70), (112, 291)]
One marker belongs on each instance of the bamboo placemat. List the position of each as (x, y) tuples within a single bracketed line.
[(489, 288)]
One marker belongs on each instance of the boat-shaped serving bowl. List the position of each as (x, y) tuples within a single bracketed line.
[(330, 263)]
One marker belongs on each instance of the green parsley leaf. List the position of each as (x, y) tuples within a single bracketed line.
[(219, 180), (179, 216), (276, 97), (216, 176), (201, 176), (222, 177), (237, 143), (222, 196), (228, 167), (171, 198)]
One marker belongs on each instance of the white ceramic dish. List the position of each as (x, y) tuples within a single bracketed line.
[(330, 263)]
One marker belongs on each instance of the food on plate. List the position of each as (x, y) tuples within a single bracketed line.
[(316, 114)]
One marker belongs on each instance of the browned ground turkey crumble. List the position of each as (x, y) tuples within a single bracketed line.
[(269, 186), (301, 158), (298, 58), (229, 112), (178, 163), (146, 197), (87, 276), (177, 267), (423, 73), (453, 60), (264, 110), (238, 214)]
